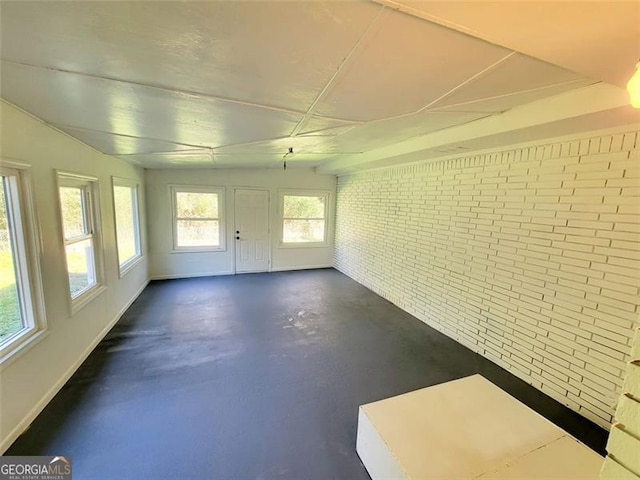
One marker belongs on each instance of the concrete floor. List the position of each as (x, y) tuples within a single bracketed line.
[(252, 377)]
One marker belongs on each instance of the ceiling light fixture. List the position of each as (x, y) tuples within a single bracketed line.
[(284, 157), (633, 87)]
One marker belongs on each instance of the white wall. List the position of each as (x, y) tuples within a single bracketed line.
[(29, 380), (529, 256), (165, 264)]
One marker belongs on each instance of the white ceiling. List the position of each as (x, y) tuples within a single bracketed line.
[(236, 84)]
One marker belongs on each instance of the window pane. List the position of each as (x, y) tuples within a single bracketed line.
[(72, 211), (198, 233), (126, 225), (80, 265), (303, 207), (196, 205), (303, 231), (11, 318)]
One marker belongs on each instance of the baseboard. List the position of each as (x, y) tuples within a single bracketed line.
[(35, 411), (301, 267), (174, 276)]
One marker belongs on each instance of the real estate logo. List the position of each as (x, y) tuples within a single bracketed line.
[(35, 468)]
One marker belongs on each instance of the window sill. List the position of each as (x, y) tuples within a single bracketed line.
[(21, 345), (129, 265), (78, 303)]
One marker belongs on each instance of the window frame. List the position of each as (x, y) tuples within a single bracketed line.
[(131, 262), (91, 214), (28, 244), (303, 193), (222, 236)]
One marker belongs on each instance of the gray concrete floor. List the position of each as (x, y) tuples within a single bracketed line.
[(252, 377)]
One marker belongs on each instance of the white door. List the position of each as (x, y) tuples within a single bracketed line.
[(252, 230)]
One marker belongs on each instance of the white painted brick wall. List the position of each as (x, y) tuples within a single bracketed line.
[(530, 257)]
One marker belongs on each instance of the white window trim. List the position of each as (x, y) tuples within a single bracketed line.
[(127, 266), (65, 178), (303, 193), (31, 238), (222, 235)]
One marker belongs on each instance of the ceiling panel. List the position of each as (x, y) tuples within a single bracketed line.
[(276, 53), (600, 39), (505, 102), (517, 73), (403, 64), (174, 159), (180, 78), (112, 144), (325, 126), (109, 106)]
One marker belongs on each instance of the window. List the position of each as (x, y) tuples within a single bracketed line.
[(21, 309), (197, 218), (81, 240), (304, 218), (125, 203)]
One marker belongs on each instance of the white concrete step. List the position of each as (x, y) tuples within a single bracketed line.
[(466, 429)]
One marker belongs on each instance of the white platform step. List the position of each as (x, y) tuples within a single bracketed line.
[(467, 429)]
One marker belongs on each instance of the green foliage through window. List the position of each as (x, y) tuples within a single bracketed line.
[(77, 227), (127, 230), (303, 218), (11, 321), (197, 219)]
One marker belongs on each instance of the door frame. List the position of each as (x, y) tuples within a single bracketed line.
[(235, 223)]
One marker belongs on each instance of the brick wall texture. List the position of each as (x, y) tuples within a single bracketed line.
[(529, 256)]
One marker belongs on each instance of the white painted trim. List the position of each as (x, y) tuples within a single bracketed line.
[(221, 192), (27, 344), (86, 298), (574, 137), (128, 265), (175, 276), (282, 192), (22, 426), (34, 311), (301, 267)]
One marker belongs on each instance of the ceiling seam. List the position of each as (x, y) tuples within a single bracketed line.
[(469, 80), (334, 77), (188, 93), (529, 90), (414, 12), (51, 125), (457, 87), (60, 126), (191, 151)]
